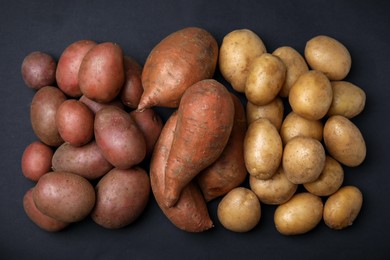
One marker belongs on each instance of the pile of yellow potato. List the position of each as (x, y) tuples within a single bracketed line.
[(308, 146)]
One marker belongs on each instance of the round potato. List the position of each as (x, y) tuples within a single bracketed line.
[(295, 67), (265, 78), (301, 214), (311, 95), (132, 88), (344, 141), (38, 70), (303, 159), (238, 49), (272, 111), (239, 210), (329, 56), (342, 208), (36, 160), (348, 99)]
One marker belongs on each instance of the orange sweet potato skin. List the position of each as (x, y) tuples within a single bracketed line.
[(229, 170), (190, 212), (205, 120), (178, 61)]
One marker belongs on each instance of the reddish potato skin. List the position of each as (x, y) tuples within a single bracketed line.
[(190, 212), (69, 64), (229, 170), (41, 220), (43, 110), (132, 88), (74, 121), (38, 70), (96, 106), (119, 138), (36, 160), (151, 124), (87, 160), (178, 61), (121, 197), (101, 74)]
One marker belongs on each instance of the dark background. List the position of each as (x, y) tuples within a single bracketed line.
[(50, 26)]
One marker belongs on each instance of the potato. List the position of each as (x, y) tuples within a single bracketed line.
[(64, 196), (295, 67), (238, 49), (69, 65), (96, 106), (303, 159), (299, 215), (119, 138), (101, 74), (295, 125), (266, 75), (348, 99), (43, 109), (121, 197), (275, 190), (311, 95), (132, 88), (272, 111), (329, 181), (239, 210), (342, 208), (329, 56), (38, 70), (36, 160), (41, 220), (74, 121), (344, 141), (87, 160), (263, 149)]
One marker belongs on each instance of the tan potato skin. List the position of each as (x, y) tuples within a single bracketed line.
[(36, 160), (273, 111), (132, 88)]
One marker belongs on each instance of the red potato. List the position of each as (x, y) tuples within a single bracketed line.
[(101, 74), (229, 170), (36, 160), (190, 212), (205, 121), (132, 88), (38, 70), (178, 61), (96, 106), (69, 64)]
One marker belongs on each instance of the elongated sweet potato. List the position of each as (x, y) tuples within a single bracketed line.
[(190, 212), (178, 61), (229, 170), (205, 120)]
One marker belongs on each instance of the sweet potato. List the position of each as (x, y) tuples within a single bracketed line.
[(229, 170), (205, 120), (178, 61), (190, 212)]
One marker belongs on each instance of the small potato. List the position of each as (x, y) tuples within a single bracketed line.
[(238, 49), (64, 196), (329, 56), (121, 197), (265, 78), (272, 111), (263, 149), (295, 67), (329, 181), (301, 214), (36, 160), (348, 99), (342, 208), (239, 210), (74, 121), (303, 159), (38, 70), (132, 88), (96, 106), (274, 191), (311, 95), (294, 125)]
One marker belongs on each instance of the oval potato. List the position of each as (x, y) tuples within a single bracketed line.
[(272, 111)]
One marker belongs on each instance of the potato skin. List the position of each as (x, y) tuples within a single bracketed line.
[(96, 106), (64, 196), (38, 70), (36, 160), (121, 197), (273, 111), (43, 109), (132, 88)]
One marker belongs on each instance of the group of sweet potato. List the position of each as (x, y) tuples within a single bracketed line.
[(93, 113)]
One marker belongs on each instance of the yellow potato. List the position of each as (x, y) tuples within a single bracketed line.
[(237, 50), (272, 111)]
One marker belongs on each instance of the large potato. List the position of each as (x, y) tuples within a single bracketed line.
[(272, 111), (238, 49), (36, 160), (38, 70)]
